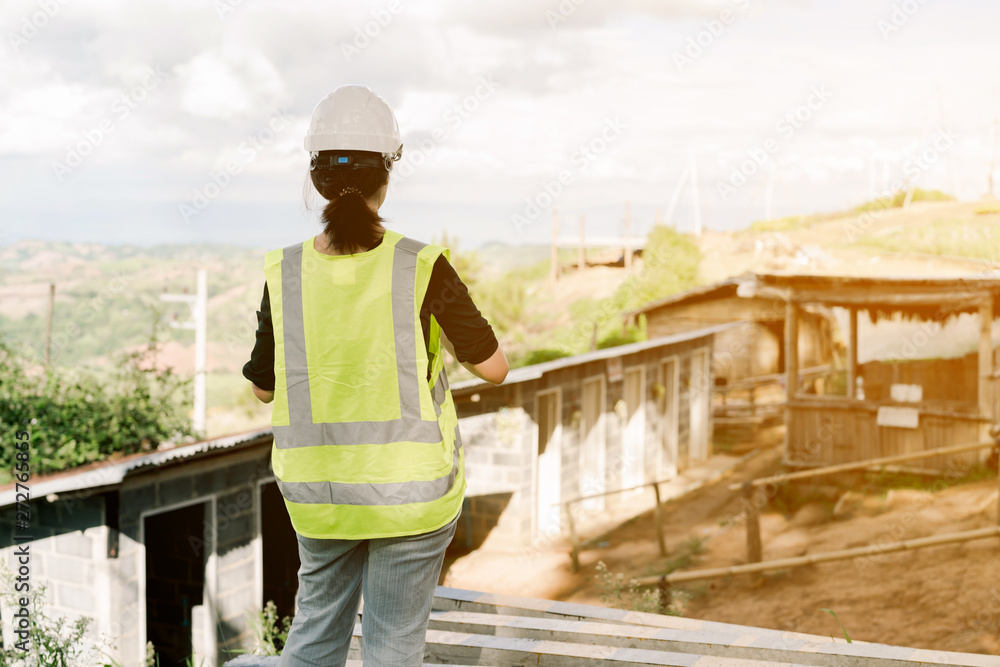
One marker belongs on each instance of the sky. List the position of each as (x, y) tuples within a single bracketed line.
[(183, 122)]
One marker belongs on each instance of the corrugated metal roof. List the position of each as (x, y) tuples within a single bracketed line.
[(535, 371), (726, 287), (112, 472)]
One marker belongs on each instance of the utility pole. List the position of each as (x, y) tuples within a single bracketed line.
[(48, 324), (696, 202), (554, 253), (199, 322), (993, 160), (628, 238)]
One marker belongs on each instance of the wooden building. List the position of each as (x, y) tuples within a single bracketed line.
[(749, 360), (755, 349), (581, 425), (910, 403)]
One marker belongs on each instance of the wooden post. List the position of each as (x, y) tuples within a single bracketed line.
[(665, 596), (582, 258), (627, 253), (852, 355), (754, 548), (48, 324), (791, 367), (657, 519), (985, 362), (792, 348), (554, 253), (574, 554)]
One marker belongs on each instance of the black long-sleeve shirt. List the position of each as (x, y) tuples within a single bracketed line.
[(447, 299)]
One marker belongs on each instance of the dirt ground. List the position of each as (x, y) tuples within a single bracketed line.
[(945, 597)]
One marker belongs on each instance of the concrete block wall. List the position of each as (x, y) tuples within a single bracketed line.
[(237, 592), (497, 466), (68, 558), (231, 481)]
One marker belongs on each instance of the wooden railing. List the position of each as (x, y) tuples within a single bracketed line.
[(752, 410), (755, 564), (567, 505)]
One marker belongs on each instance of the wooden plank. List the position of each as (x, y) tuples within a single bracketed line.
[(860, 465), (825, 557), (445, 647), (754, 547), (510, 605), (739, 643), (852, 354)]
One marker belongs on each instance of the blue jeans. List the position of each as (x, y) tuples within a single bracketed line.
[(397, 577)]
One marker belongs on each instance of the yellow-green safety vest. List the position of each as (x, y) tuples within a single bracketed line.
[(366, 440)]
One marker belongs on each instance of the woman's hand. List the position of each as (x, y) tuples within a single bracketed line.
[(262, 395)]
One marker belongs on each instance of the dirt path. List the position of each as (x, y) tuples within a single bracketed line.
[(632, 547), (945, 598)]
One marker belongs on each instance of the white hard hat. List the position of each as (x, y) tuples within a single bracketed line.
[(354, 118)]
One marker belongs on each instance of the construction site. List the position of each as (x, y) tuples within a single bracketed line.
[(569, 334)]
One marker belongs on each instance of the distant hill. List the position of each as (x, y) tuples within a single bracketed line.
[(107, 297), (498, 258)]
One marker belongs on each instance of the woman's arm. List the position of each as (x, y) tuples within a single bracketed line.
[(492, 370), (263, 395), (260, 369)]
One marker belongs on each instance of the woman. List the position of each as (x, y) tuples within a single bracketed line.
[(367, 452)]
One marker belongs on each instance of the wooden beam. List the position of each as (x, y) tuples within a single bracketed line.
[(986, 360), (792, 348), (752, 513), (852, 355), (825, 557), (791, 365), (861, 465), (658, 519)]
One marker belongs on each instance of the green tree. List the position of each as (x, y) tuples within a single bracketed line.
[(75, 417), (669, 265)]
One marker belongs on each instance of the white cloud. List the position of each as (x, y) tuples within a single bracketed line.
[(229, 82)]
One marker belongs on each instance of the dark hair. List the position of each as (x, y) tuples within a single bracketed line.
[(350, 222)]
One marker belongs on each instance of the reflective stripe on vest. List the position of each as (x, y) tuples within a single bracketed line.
[(349, 509)]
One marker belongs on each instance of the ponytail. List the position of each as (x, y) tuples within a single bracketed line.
[(349, 221)]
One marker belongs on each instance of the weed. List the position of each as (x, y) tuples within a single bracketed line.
[(269, 633), (843, 629), (50, 642), (616, 592)]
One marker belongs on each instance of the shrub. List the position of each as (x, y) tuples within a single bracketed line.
[(75, 417)]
